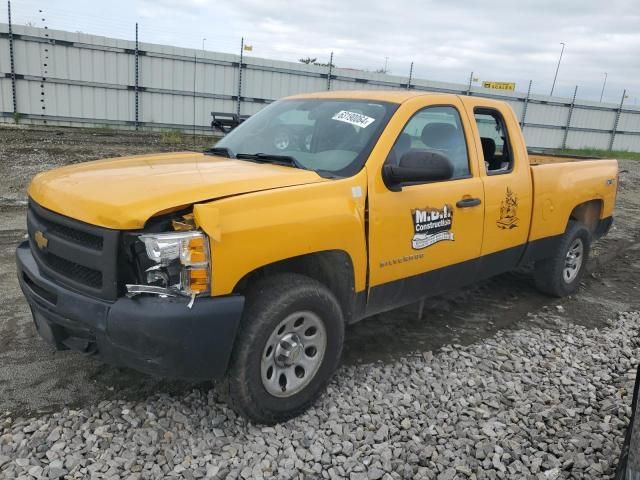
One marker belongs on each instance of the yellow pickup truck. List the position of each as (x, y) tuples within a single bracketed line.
[(246, 261)]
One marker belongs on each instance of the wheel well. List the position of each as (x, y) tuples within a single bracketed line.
[(588, 213), (332, 268)]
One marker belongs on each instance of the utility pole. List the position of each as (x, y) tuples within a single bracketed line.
[(571, 108), (557, 68), (240, 78), (330, 71), (203, 40), (617, 120), (386, 62), (603, 85), (137, 79), (13, 66), (526, 104)]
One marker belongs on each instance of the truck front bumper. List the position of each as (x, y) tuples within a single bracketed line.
[(158, 336)]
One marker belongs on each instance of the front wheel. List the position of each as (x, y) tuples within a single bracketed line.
[(560, 274), (287, 349)]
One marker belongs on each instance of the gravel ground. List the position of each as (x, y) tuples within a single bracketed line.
[(525, 404), (506, 383), (25, 151)]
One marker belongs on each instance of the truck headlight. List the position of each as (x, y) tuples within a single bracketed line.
[(181, 261)]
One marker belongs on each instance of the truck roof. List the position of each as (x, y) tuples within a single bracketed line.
[(392, 96)]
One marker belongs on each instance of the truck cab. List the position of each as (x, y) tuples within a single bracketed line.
[(246, 261)]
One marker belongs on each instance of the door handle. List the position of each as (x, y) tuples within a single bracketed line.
[(468, 202)]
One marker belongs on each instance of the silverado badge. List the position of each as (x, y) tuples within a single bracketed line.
[(41, 240), (508, 211)]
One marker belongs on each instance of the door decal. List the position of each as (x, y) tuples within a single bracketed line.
[(508, 211), (431, 225)]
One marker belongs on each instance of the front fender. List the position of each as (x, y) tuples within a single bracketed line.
[(257, 229)]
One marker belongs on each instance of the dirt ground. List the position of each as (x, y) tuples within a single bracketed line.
[(34, 378)]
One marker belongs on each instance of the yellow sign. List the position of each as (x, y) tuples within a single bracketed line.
[(248, 48), (499, 85)]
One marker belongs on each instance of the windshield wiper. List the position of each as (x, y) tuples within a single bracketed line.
[(224, 151), (268, 158)]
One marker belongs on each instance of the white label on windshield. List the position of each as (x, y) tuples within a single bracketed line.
[(353, 118)]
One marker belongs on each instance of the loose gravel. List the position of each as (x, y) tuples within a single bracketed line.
[(538, 403), (549, 401)]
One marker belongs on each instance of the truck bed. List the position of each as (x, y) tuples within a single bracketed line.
[(559, 184), (540, 158)]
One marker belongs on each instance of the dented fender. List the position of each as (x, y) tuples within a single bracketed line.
[(207, 217), (260, 228)]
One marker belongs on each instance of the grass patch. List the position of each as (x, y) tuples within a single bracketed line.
[(178, 138), (173, 137), (594, 152)]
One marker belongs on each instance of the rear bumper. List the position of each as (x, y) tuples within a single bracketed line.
[(158, 336)]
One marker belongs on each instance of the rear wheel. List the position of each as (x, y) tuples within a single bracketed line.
[(288, 347), (560, 274)]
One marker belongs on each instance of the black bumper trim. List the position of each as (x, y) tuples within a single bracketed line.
[(158, 336), (603, 227)]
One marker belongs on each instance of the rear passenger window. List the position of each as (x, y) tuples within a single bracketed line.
[(437, 129), (498, 157)]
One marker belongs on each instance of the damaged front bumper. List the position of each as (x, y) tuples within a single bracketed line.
[(158, 336)]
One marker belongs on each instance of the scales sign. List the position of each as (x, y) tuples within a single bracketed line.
[(499, 85)]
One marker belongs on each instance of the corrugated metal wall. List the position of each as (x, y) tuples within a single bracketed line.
[(65, 78)]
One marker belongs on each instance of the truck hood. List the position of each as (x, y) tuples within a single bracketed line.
[(123, 193)]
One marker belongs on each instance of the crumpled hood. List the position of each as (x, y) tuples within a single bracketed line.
[(123, 193)]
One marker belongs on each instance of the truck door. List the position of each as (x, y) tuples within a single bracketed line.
[(425, 238), (506, 176)]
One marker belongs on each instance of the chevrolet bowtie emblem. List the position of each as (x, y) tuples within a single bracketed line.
[(41, 240)]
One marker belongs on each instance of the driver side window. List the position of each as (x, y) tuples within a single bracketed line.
[(435, 129), (496, 150)]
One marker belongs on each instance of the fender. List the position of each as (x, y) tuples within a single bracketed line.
[(257, 229), (560, 187)]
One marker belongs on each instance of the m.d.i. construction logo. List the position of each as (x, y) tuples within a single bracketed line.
[(431, 225)]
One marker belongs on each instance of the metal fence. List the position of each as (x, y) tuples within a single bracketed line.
[(74, 79)]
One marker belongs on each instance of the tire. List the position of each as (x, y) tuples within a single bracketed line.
[(553, 275), (300, 304)]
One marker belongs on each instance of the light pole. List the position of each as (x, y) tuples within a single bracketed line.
[(603, 85), (386, 61), (203, 40), (557, 68)]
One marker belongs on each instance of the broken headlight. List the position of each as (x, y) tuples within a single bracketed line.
[(179, 263)]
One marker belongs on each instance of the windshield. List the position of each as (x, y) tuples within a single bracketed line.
[(327, 136)]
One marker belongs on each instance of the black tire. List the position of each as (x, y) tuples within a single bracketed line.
[(268, 303), (549, 273)]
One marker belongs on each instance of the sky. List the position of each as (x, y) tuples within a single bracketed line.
[(497, 40)]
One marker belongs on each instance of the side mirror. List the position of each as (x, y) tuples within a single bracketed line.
[(417, 166)]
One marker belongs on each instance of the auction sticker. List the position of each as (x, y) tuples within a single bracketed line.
[(353, 118)]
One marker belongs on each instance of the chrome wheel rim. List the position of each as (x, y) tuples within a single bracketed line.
[(293, 354), (573, 261), (281, 141)]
